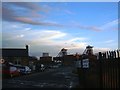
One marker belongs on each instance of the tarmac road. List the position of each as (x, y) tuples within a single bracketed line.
[(61, 77)]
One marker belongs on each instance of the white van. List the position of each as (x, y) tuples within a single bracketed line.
[(23, 69)]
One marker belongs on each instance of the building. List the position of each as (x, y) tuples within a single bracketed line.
[(18, 56), (45, 54), (33, 62), (69, 60), (47, 61)]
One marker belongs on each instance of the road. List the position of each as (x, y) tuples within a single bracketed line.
[(61, 77)]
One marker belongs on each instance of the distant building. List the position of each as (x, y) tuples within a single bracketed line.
[(69, 60), (46, 60), (33, 62), (45, 54), (17, 56)]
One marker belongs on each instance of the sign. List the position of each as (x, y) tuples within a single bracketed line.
[(85, 63)]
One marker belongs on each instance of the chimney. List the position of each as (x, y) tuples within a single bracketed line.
[(26, 47)]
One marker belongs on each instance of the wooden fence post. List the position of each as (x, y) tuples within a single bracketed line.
[(118, 54), (100, 70), (114, 54), (108, 55)]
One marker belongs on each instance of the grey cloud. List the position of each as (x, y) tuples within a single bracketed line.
[(30, 21), (26, 5), (9, 15), (75, 24), (93, 28), (30, 5)]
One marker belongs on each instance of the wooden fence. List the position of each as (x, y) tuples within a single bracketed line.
[(103, 72), (109, 69)]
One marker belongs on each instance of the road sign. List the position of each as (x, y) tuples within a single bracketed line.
[(85, 63)]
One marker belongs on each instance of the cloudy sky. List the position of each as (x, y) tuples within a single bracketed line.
[(51, 26)]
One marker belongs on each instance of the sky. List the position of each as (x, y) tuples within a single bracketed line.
[(51, 26)]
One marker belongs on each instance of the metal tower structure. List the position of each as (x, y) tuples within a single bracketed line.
[(88, 50), (62, 53)]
